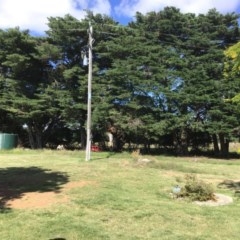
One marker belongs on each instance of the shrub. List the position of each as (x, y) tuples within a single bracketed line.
[(136, 154), (197, 190)]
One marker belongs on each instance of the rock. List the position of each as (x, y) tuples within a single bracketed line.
[(144, 160), (60, 147)]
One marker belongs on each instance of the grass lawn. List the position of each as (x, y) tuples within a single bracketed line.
[(48, 195)]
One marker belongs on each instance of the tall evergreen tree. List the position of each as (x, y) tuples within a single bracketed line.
[(176, 59), (71, 37), (24, 79)]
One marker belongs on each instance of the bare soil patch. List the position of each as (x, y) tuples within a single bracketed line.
[(32, 200), (221, 200)]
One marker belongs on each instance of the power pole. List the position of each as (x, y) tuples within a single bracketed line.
[(89, 100)]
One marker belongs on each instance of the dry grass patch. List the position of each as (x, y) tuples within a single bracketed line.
[(34, 200)]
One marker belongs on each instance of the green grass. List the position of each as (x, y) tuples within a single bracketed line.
[(123, 200)]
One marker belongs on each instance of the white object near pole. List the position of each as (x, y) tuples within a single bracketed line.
[(89, 100)]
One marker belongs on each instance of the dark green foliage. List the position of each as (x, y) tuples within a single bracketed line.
[(197, 190), (167, 76), (24, 76), (158, 81)]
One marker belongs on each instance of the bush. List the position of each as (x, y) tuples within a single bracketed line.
[(197, 190), (136, 155)]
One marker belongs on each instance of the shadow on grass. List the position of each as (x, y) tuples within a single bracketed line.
[(15, 181), (196, 153), (230, 184), (57, 239), (108, 155)]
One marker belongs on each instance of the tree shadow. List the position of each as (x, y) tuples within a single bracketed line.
[(15, 181), (57, 239), (232, 185)]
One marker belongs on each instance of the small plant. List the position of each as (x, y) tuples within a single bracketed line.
[(136, 154), (197, 190)]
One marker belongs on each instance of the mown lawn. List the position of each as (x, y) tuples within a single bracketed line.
[(119, 198)]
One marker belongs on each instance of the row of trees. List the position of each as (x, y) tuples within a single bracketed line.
[(160, 80)]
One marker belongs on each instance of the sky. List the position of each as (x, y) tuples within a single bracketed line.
[(33, 14)]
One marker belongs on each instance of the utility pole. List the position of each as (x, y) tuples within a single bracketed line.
[(89, 100)]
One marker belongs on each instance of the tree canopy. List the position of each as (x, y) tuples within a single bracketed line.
[(165, 79)]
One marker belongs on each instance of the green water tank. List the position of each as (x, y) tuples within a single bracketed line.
[(8, 140)]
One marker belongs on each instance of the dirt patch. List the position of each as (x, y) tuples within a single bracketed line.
[(32, 200), (36, 200), (221, 200)]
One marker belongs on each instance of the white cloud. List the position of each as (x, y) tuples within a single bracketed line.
[(33, 14), (101, 6), (130, 7)]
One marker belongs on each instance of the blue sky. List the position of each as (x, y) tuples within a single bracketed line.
[(32, 14)]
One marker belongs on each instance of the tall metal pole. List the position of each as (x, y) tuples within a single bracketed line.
[(89, 100)]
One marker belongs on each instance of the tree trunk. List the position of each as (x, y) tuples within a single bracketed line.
[(83, 138), (110, 140), (184, 142), (215, 144), (224, 143), (181, 142), (35, 137), (38, 137), (31, 138), (117, 138)]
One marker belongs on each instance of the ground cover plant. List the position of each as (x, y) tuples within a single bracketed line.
[(197, 190), (58, 195)]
